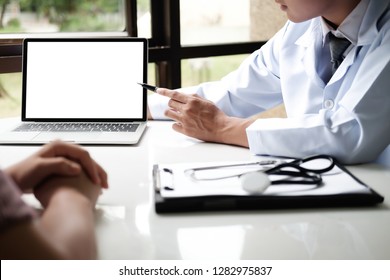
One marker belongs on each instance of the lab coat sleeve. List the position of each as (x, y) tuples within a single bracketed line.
[(356, 131), (157, 105)]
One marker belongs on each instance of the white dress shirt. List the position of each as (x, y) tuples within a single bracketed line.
[(347, 117)]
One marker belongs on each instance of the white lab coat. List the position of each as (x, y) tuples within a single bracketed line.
[(348, 118)]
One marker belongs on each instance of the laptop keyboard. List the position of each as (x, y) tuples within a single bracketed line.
[(76, 127)]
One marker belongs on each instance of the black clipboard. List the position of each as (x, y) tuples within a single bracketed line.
[(259, 202)]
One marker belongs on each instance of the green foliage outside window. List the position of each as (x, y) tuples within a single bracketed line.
[(67, 15)]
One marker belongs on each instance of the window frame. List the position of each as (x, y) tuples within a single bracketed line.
[(165, 49)]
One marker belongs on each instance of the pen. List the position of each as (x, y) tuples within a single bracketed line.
[(148, 87)]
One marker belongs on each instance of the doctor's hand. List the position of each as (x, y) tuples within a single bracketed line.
[(56, 159), (202, 119)]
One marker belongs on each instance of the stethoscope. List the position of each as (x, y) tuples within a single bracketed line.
[(258, 181)]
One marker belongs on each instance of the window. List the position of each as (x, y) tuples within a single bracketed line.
[(10, 94), (198, 70), (223, 21), (186, 42), (184, 29)]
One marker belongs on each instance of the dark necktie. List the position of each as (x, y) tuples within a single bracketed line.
[(337, 48)]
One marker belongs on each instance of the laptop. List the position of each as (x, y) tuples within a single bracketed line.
[(83, 91)]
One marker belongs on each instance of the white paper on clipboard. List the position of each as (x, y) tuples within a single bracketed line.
[(174, 182)]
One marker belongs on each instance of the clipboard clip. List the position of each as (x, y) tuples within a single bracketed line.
[(165, 175)]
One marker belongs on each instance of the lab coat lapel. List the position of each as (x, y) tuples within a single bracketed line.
[(308, 59)]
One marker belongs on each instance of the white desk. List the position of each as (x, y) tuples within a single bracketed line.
[(128, 228)]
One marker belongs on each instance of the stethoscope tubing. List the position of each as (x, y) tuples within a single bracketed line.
[(312, 175)]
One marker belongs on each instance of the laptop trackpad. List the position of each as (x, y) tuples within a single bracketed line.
[(67, 136)]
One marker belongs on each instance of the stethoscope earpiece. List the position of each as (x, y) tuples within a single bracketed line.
[(255, 182)]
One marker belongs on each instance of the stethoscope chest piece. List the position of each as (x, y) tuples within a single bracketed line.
[(255, 182)]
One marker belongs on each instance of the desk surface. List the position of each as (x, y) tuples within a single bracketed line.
[(128, 227)]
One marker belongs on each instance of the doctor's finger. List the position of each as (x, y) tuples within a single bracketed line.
[(176, 105), (178, 127), (173, 94), (173, 114)]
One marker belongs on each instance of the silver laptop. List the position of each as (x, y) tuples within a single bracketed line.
[(82, 90)]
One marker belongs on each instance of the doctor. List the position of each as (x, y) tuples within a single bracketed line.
[(337, 102)]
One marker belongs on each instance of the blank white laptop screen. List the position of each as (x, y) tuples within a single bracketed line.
[(78, 79)]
